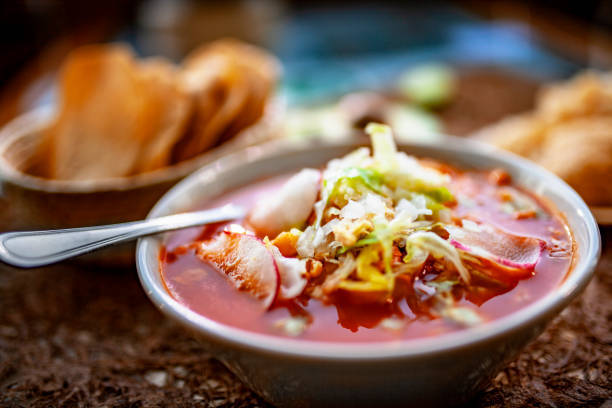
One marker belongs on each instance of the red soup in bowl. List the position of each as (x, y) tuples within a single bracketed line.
[(375, 246)]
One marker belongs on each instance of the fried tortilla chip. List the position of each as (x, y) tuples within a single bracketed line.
[(216, 107), (521, 134), (230, 83), (580, 152), (261, 71), (587, 94), (167, 113), (207, 89), (118, 117), (569, 133), (93, 137)]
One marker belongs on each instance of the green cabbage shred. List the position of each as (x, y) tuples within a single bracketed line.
[(394, 242)]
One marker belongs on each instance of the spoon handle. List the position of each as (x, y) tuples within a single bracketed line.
[(28, 249)]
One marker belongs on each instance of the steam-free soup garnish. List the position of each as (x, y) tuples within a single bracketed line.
[(377, 245)]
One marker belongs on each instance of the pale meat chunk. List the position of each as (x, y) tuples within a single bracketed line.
[(287, 208), (246, 262)]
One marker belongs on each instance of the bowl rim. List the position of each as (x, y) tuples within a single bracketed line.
[(582, 271), (38, 119)]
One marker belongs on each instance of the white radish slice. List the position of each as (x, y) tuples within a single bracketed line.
[(292, 273), (287, 208), (246, 261), (512, 252)]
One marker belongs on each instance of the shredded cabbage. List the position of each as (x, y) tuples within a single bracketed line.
[(385, 152), (373, 204), (375, 219), (439, 248)]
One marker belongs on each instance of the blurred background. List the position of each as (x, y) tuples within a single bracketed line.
[(327, 48)]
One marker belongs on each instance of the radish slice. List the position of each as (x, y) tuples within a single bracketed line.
[(287, 208), (291, 272), (516, 254), (246, 261)]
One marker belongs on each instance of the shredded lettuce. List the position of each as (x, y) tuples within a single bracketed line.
[(355, 182), (404, 173), (371, 206), (370, 239), (461, 315), (385, 151), (439, 248), (444, 286), (445, 305), (370, 177), (440, 195)]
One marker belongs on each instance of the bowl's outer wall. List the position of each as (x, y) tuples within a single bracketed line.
[(439, 379), (445, 379)]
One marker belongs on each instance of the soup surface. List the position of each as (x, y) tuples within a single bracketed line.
[(506, 221)]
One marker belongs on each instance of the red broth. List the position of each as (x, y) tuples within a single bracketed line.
[(206, 291)]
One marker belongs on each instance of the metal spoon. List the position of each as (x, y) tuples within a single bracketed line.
[(29, 249)]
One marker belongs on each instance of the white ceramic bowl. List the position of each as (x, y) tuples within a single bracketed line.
[(444, 370)]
